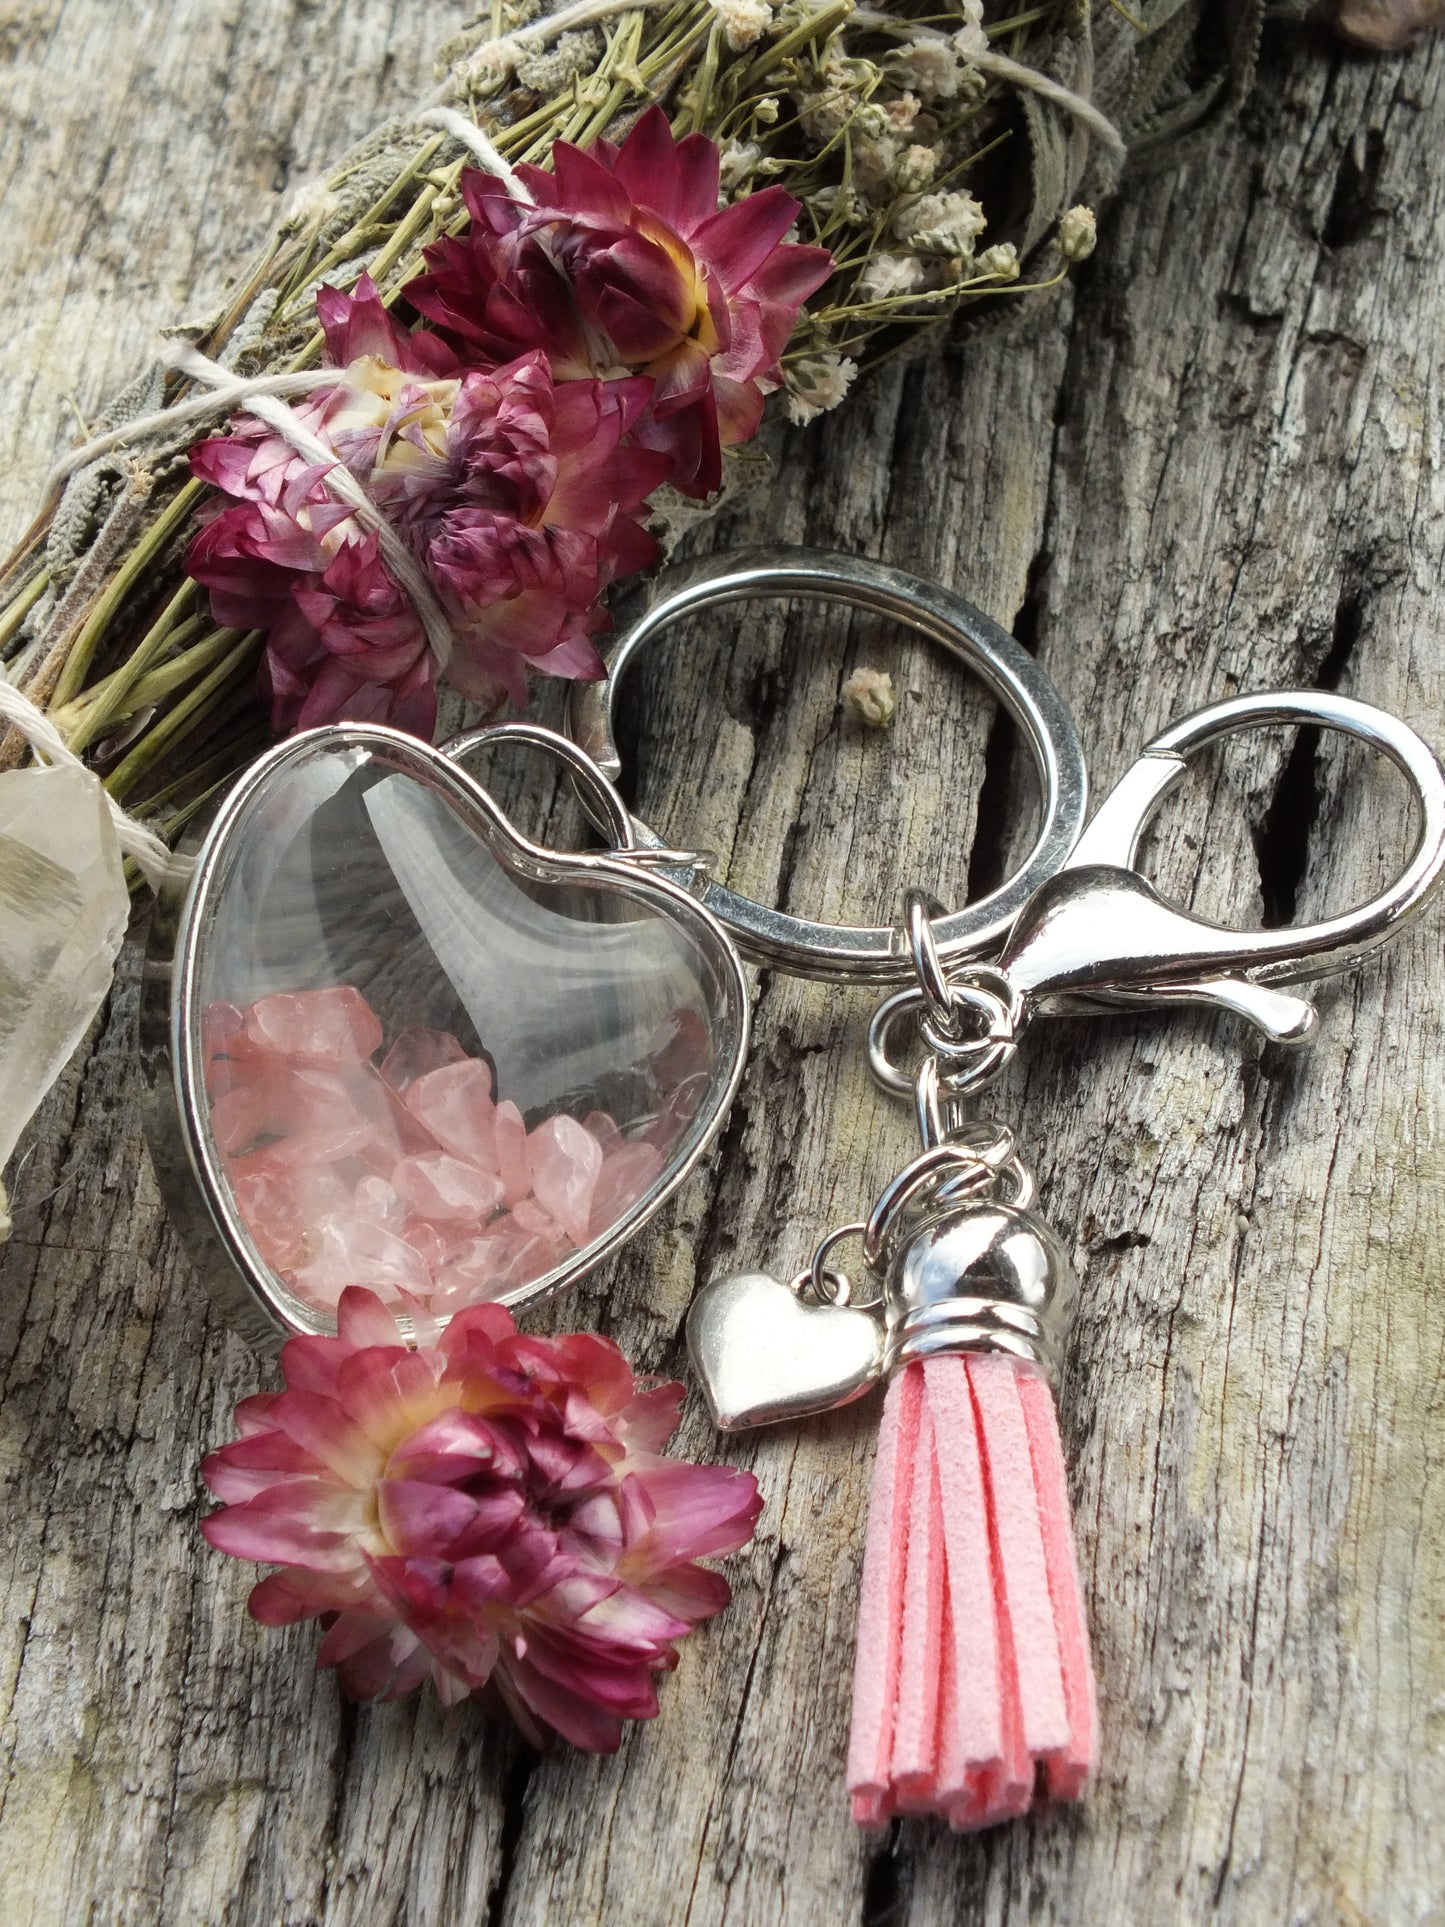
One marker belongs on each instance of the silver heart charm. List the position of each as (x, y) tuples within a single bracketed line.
[(390, 1042), (764, 1356)]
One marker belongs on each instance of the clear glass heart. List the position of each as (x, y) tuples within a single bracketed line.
[(415, 1052)]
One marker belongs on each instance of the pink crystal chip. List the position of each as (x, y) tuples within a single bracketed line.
[(412, 1177), (565, 1161)]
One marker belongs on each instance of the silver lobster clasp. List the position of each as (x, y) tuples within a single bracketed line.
[(1099, 935)]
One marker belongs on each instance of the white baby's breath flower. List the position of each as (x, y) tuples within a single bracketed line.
[(971, 40), (887, 275), (869, 695), (766, 111), (902, 113), (916, 168), (836, 199), (1001, 261), (929, 66), (874, 159), (823, 114), (1077, 234), (941, 224), (736, 164), (744, 22), (817, 383)]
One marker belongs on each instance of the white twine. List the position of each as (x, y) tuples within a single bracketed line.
[(471, 137), (151, 856), (218, 401), (1084, 111), (987, 61)]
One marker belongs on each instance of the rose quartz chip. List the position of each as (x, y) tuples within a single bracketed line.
[(239, 1118), (565, 1161), (430, 1244), (626, 1173), (336, 1025), (482, 1269), (679, 1049), (447, 1190), (307, 1150), (376, 1202), (270, 1213), (349, 1252), (418, 1051), (511, 1147), (530, 1217), (454, 1102), (604, 1128)]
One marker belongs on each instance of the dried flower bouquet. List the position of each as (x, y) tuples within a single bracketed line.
[(925, 160)]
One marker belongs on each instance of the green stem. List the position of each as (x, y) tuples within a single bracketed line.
[(19, 609), (91, 713), (179, 721), (152, 543)]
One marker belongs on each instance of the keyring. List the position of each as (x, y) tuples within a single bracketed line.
[(861, 953)]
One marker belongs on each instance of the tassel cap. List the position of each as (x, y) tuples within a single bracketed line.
[(981, 1277)]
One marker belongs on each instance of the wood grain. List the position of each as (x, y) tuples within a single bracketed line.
[(1218, 464)]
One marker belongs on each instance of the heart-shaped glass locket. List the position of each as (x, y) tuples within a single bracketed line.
[(391, 1042)]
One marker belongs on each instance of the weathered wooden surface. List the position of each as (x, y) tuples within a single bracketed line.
[(1220, 465)]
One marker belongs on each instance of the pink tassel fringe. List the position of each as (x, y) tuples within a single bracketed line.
[(973, 1692)]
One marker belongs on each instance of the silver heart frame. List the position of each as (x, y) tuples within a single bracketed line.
[(252, 1295)]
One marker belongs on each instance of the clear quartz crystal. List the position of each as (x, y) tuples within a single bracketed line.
[(63, 913)]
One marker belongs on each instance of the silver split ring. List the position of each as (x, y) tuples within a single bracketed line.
[(877, 954)]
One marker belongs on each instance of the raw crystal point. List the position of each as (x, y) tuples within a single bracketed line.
[(63, 912)]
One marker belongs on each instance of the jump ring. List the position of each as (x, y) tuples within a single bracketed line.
[(832, 1287)]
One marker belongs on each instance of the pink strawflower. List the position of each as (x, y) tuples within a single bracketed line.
[(491, 1511), (516, 495), (625, 263)]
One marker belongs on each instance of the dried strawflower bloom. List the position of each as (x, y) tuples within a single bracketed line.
[(491, 1511), (1387, 26), (869, 695), (518, 496), (817, 383), (1077, 234), (625, 262)]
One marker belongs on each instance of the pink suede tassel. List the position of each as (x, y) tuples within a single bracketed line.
[(973, 1693)]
